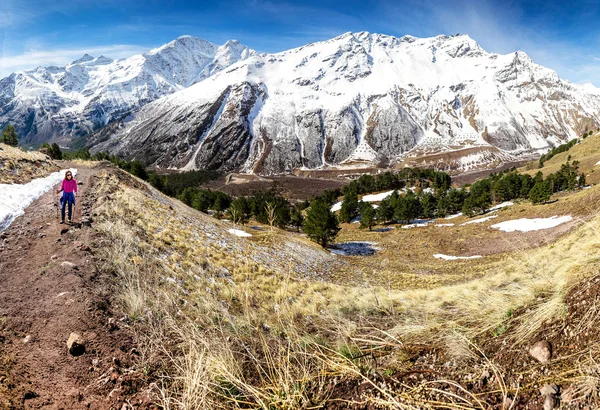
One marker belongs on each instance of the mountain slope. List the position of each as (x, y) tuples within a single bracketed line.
[(359, 97), (60, 103)]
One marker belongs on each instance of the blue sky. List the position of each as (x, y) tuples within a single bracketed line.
[(562, 35)]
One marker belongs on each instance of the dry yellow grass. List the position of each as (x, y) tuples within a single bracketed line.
[(233, 327), (18, 166), (587, 152)]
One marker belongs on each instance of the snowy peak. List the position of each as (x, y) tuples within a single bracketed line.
[(185, 44), (86, 57), (359, 97), (62, 103)]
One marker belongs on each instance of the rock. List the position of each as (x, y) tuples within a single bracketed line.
[(69, 265), (42, 235), (550, 402), (54, 257), (550, 394), (27, 339), (112, 324), (76, 345), (549, 389), (58, 239), (64, 231), (541, 351)]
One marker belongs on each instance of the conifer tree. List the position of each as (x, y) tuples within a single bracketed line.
[(540, 192), (9, 136), (321, 225), (385, 212), (367, 215), (56, 152), (296, 217), (349, 209), (239, 211), (429, 205)]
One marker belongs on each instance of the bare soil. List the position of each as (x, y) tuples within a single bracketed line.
[(291, 187), (51, 287)]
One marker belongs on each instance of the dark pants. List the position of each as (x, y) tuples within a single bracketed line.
[(67, 198)]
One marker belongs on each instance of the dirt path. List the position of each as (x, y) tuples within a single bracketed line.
[(50, 287)]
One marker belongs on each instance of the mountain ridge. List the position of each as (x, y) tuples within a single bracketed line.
[(357, 98), (62, 103), (313, 106)]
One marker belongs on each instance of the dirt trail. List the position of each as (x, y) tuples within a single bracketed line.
[(50, 287)]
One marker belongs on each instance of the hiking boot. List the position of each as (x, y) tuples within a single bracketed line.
[(62, 222)]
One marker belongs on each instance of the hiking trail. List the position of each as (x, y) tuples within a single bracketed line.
[(50, 288)]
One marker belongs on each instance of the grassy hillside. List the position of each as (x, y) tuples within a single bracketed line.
[(18, 166), (586, 151), (273, 321)]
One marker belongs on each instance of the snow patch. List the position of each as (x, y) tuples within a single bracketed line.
[(527, 225), (418, 222), (238, 232), (376, 197), (15, 198), (452, 258), (480, 220), (444, 224), (336, 207), (502, 205), (454, 216)]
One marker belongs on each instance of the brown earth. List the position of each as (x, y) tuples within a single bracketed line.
[(292, 187), (51, 287)]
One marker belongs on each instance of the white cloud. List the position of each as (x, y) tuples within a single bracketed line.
[(61, 57)]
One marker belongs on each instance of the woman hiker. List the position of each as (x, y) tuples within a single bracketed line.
[(69, 190)]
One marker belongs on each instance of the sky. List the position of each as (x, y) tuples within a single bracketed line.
[(562, 35)]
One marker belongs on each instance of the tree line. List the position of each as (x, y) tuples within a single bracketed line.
[(418, 193)]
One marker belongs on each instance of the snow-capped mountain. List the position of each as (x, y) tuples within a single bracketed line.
[(359, 97), (60, 103)]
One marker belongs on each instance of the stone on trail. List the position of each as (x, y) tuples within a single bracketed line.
[(64, 231), (550, 394), (67, 264), (541, 351), (75, 344)]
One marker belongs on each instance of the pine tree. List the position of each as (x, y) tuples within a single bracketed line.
[(349, 209), (296, 217), (321, 225), (9, 136), (137, 168), (541, 192), (429, 205), (367, 216), (56, 152), (385, 212), (239, 211)]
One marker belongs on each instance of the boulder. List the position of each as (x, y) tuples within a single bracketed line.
[(76, 344)]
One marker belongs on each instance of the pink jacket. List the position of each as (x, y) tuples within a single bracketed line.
[(69, 186)]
